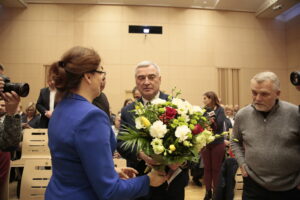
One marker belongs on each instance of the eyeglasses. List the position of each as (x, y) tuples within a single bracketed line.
[(99, 72)]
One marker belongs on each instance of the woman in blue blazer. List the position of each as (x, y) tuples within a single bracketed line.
[(81, 140)]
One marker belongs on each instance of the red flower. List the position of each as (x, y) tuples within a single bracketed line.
[(171, 112), (198, 129), (168, 115)]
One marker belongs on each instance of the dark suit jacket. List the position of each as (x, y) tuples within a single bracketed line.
[(42, 106), (176, 189)]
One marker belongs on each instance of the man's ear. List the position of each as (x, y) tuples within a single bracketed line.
[(88, 78), (278, 93)]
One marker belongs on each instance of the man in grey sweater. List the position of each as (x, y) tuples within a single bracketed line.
[(266, 143)]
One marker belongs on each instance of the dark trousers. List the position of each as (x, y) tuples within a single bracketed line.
[(253, 191), (4, 167), (213, 156)]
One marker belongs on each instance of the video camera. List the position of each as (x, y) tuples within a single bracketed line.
[(22, 89), (295, 78)]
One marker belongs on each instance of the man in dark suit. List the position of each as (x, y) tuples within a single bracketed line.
[(46, 102), (101, 101), (148, 79)]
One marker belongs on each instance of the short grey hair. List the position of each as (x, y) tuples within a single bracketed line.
[(264, 76), (146, 64)]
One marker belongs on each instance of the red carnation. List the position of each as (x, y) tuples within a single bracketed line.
[(198, 129), (168, 115), (171, 112)]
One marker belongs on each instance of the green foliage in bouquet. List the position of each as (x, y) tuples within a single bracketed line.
[(172, 131)]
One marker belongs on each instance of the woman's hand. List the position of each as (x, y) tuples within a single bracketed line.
[(126, 172)]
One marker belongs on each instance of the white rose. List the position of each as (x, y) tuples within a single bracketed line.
[(182, 133), (158, 101), (158, 129)]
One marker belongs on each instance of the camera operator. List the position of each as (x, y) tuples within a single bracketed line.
[(10, 127), (295, 79)]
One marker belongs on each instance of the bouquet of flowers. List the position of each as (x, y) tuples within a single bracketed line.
[(171, 132)]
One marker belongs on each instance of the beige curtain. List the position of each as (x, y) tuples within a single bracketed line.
[(46, 67), (228, 80)]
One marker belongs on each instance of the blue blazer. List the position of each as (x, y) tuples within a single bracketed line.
[(82, 142)]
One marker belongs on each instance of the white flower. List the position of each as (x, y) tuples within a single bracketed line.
[(139, 123), (158, 129), (158, 149), (156, 141), (157, 146), (182, 133), (186, 117), (183, 106), (158, 101), (195, 109)]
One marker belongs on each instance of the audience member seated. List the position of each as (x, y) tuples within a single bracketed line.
[(136, 93), (31, 119), (117, 124), (229, 112), (127, 102), (236, 108)]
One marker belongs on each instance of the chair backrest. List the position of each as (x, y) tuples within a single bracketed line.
[(35, 144), (36, 176), (239, 185)]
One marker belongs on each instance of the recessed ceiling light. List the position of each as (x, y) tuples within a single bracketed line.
[(277, 7), (146, 30)]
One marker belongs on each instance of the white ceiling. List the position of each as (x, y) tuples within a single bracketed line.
[(233, 5), (280, 9)]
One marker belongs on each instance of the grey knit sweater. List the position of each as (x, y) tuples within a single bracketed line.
[(270, 147)]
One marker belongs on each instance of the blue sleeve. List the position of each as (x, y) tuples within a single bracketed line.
[(92, 140)]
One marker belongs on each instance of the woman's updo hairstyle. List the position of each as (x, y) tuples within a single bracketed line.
[(68, 72)]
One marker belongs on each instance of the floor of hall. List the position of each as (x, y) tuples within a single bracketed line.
[(193, 192)]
